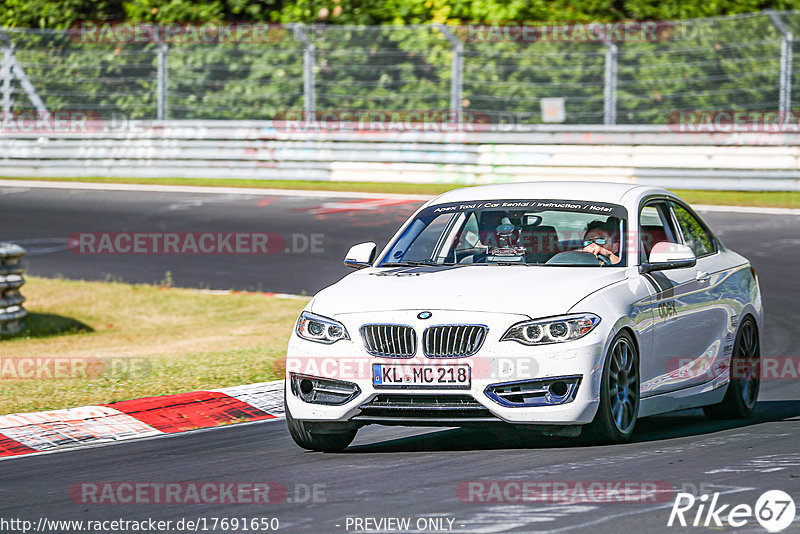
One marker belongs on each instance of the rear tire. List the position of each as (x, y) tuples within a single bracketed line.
[(303, 434), (619, 393), (742, 394)]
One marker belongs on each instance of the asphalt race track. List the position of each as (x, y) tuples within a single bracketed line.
[(391, 472), (313, 233)]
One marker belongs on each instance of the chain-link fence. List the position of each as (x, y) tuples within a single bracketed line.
[(502, 73)]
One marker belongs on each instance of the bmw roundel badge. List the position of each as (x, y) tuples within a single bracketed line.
[(424, 315)]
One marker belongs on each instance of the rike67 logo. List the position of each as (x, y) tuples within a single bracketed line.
[(774, 510)]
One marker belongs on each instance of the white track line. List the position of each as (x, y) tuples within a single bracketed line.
[(305, 193), (209, 190)]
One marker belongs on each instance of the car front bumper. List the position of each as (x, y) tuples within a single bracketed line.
[(497, 362)]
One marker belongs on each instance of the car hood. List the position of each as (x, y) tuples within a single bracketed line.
[(532, 291)]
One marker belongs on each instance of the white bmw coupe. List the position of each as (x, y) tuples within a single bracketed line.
[(558, 307)]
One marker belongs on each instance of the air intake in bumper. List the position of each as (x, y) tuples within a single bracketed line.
[(542, 392), (420, 409), (323, 390)]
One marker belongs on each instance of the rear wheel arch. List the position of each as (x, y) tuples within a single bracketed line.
[(741, 396)]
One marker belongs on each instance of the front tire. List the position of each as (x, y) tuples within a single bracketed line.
[(619, 393), (302, 434), (742, 394)]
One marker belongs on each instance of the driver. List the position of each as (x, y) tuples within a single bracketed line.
[(602, 239)]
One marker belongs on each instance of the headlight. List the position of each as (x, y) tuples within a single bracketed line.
[(320, 329), (553, 330)]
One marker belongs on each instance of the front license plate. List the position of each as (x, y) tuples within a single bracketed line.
[(389, 375)]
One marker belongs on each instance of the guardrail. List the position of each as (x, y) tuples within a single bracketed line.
[(480, 154), (11, 280)]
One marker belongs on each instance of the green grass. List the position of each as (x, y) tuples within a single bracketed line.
[(769, 199), (139, 340), (305, 185), (773, 199)]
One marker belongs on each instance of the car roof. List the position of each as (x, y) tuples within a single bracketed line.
[(613, 193)]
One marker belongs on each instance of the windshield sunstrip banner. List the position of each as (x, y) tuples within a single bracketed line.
[(531, 206)]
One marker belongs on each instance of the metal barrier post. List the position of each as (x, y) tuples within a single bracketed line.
[(456, 72), (309, 60), (785, 90), (610, 84), (161, 83), (6, 77)]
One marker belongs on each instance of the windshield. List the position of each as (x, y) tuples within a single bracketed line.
[(513, 232)]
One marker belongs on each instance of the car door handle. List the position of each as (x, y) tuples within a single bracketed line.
[(702, 277)]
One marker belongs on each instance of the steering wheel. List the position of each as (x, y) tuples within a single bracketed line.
[(604, 260)]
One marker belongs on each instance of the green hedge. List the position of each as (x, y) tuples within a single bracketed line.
[(723, 63)]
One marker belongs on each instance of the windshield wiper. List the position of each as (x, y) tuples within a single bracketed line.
[(413, 263), (424, 262)]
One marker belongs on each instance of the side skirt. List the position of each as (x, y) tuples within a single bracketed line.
[(694, 397)]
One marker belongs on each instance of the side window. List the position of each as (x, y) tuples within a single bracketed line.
[(695, 235), (655, 226)]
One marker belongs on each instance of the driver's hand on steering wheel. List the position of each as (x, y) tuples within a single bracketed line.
[(597, 250)]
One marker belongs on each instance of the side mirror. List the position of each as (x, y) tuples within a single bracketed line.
[(361, 255), (665, 256)]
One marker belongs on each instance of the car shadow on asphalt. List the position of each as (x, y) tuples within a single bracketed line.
[(685, 423)]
